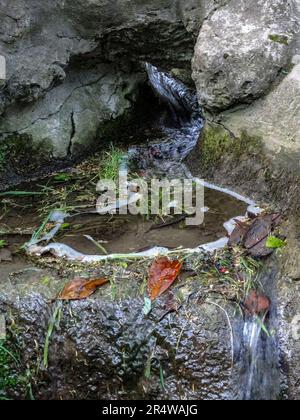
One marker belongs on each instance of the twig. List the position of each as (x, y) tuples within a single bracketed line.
[(97, 244)]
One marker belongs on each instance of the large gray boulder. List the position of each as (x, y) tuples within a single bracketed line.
[(54, 49), (274, 119), (242, 48)]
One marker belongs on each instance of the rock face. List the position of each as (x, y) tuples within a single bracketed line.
[(274, 119), (69, 118), (247, 72), (106, 348), (241, 50), (71, 65)]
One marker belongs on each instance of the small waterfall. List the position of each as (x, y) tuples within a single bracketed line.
[(258, 354), (180, 99), (259, 362), (178, 134), (252, 342)]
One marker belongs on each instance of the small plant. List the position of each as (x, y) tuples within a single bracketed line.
[(274, 243), (110, 164), (3, 243), (62, 178), (12, 375)]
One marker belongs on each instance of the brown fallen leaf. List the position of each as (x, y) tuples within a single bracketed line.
[(257, 236), (238, 235), (257, 303), (79, 288), (162, 275)]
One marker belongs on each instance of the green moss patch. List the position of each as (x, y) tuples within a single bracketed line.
[(217, 144), (280, 39), (12, 377)]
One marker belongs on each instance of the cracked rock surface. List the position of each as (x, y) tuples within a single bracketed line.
[(243, 49), (81, 58)]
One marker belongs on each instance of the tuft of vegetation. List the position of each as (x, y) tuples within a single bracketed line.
[(229, 271), (3, 243), (280, 39), (110, 164), (217, 143), (12, 376)]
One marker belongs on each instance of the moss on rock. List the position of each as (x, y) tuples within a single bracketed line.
[(218, 143), (281, 39)]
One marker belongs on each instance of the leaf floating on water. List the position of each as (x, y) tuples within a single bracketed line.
[(162, 275), (79, 288)]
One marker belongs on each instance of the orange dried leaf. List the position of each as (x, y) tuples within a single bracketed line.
[(162, 275), (79, 288)]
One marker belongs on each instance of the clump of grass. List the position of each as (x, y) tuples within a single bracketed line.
[(7, 376), (230, 271), (12, 376), (110, 165)]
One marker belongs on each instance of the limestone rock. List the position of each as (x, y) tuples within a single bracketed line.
[(46, 46), (241, 50)]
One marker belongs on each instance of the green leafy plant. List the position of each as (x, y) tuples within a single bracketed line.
[(110, 164), (273, 242), (3, 243), (61, 178)]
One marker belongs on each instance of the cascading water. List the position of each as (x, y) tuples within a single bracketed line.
[(182, 102), (178, 132), (258, 355)]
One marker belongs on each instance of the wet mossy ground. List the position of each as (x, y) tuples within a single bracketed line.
[(15, 378)]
